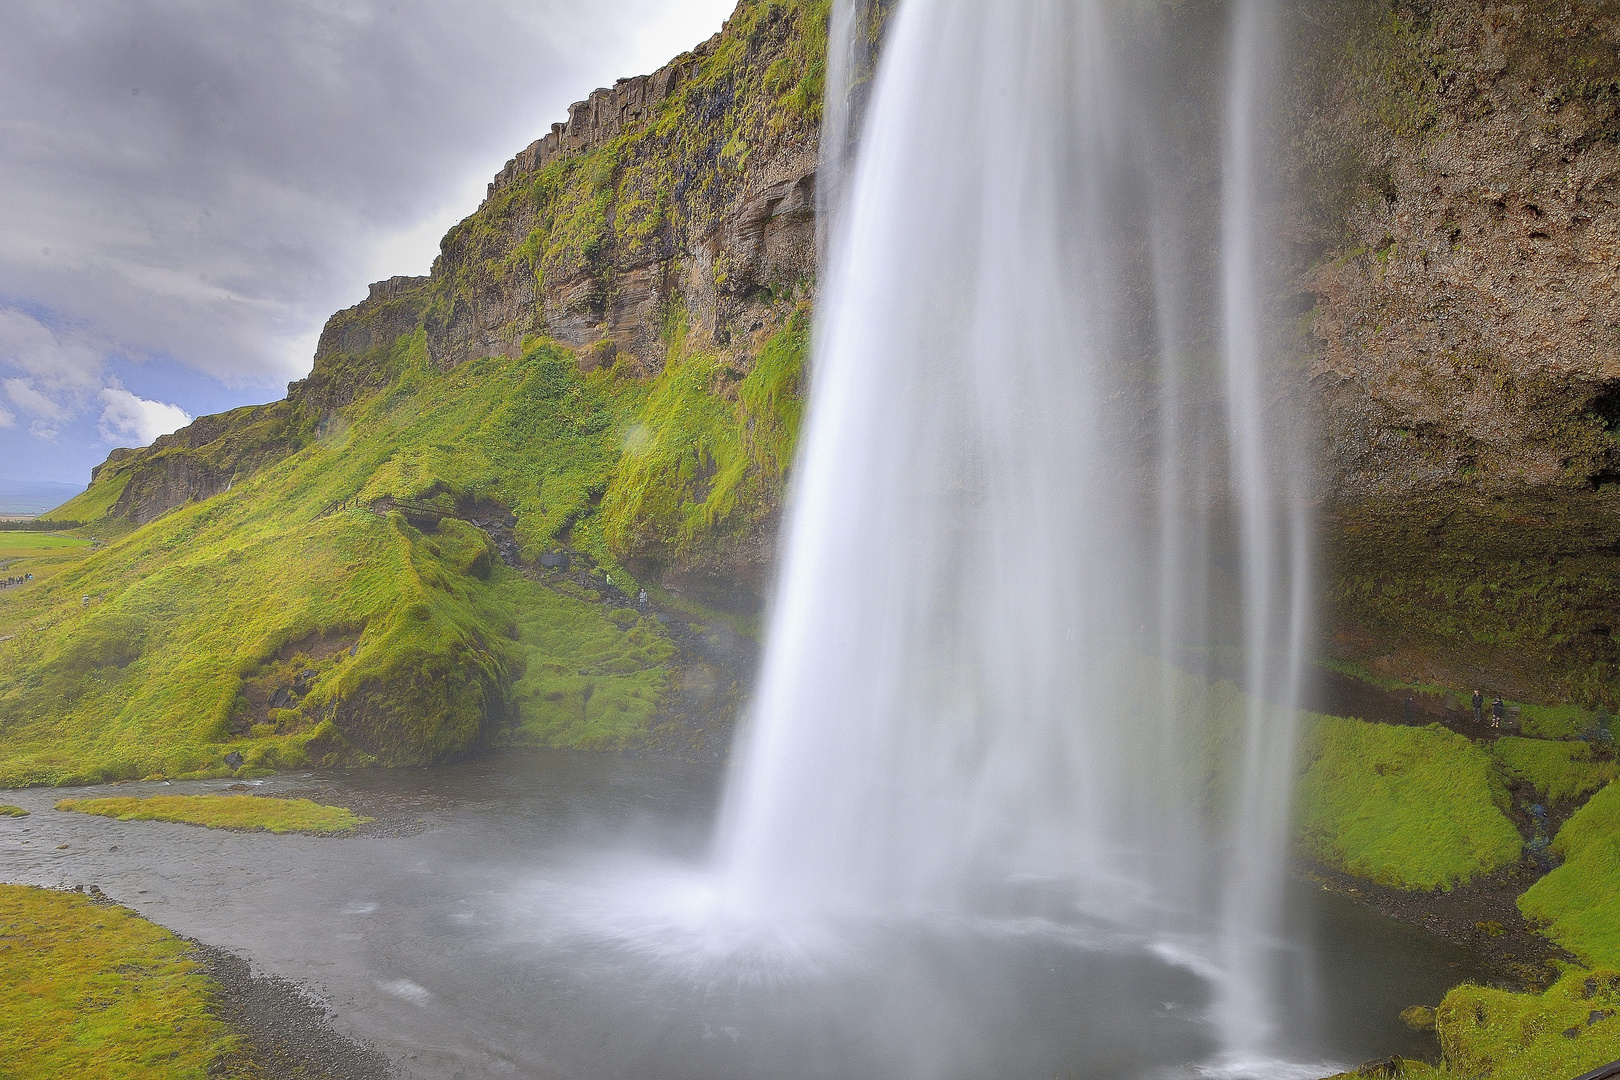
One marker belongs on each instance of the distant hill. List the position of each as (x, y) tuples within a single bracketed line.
[(29, 497)]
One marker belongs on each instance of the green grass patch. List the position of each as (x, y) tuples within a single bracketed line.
[(94, 991), (1578, 903), (1414, 808), (248, 813), (709, 452), (1557, 770), (1555, 721), (7, 810), (91, 504), (1486, 1034), (15, 545), (587, 684)]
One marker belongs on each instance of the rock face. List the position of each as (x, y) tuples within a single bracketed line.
[(1462, 167), (1470, 314), (647, 206)]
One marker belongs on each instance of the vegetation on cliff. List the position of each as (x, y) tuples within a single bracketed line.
[(1493, 1034), (393, 636), (303, 581)]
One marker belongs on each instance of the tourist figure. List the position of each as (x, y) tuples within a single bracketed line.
[(1407, 706), (1497, 711), (1479, 707), (641, 599)]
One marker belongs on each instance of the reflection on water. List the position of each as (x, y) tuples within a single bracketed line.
[(550, 918)]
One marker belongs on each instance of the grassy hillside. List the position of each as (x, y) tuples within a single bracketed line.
[(393, 637), (349, 575)]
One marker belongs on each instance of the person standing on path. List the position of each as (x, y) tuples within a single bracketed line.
[(1497, 710), (1479, 708), (1408, 706)]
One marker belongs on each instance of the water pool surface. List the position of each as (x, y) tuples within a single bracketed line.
[(547, 915)]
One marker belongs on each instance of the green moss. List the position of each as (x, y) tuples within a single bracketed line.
[(7, 810), (1488, 1034), (92, 990), (249, 813), (1554, 721), (1578, 903), (1557, 770), (1397, 69), (588, 684), (1415, 808), (709, 450), (1524, 586)]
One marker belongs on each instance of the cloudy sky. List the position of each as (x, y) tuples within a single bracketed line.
[(188, 188)]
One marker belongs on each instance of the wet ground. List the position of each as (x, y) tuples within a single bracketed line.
[(548, 916)]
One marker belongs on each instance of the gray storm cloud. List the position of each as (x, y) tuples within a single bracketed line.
[(202, 183)]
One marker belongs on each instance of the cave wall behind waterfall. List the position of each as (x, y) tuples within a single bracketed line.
[(1458, 246)]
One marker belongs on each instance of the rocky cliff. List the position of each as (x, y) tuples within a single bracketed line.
[(673, 207)]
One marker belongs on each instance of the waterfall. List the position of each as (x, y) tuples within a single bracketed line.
[(1047, 488)]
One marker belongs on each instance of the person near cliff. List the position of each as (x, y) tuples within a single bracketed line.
[(1408, 707), (1479, 708), (1497, 712)]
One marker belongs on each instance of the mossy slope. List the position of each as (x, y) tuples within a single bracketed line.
[(1578, 903), (1491, 1034), (1415, 808), (256, 595)]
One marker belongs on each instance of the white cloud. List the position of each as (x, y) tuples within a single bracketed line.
[(129, 419), (30, 400), (54, 362), (7, 417), (58, 371)]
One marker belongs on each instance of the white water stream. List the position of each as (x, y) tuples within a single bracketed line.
[(1043, 449)]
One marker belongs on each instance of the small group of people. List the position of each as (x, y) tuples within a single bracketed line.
[(18, 579), (1498, 709)]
